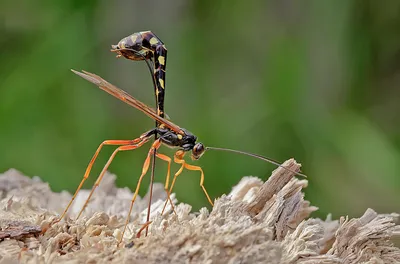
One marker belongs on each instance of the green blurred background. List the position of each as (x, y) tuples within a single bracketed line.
[(315, 80)]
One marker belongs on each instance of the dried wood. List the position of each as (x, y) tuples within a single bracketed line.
[(257, 222)]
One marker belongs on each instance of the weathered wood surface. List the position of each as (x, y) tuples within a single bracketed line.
[(258, 222)]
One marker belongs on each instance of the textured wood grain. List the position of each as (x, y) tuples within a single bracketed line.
[(258, 222)]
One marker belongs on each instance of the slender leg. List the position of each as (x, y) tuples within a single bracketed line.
[(145, 226), (89, 167), (178, 158), (150, 191), (167, 159), (148, 222), (197, 168), (97, 183), (145, 168), (182, 162), (172, 184)]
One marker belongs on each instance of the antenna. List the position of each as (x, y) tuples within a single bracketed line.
[(258, 157)]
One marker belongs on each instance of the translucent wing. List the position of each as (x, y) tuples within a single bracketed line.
[(127, 98)]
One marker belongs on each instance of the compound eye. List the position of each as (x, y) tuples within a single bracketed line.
[(198, 150)]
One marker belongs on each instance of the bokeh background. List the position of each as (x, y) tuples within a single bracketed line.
[(315, 80)]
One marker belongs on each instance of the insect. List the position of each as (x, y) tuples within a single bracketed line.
[(138, 46), (169, 134), (147, 46)]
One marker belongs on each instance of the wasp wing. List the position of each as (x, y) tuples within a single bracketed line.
[(127, 98)]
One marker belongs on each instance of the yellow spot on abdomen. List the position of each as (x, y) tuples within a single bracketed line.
[(179, 136), (161, 60), (162, 83), (153, 41)]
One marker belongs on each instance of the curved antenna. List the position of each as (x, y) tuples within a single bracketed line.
[(258, 157)]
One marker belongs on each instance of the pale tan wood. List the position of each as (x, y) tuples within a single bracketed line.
[(258, 222)]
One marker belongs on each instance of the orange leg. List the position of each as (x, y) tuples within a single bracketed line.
[(197, 168), (167, 159), (145, 168), (146, 225), (89, 167), (178, 158), (97, 183), (172, 185)]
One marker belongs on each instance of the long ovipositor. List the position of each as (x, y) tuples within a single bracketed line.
[(170, 135), (142, 46)]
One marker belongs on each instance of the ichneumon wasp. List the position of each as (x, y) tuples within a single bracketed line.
[(168, 134), (145, 45), (139, 46)]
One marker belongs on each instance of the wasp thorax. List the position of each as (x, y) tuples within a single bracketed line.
[(198, 151)]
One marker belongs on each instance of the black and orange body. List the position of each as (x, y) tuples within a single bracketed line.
[(146, 45), (168, 134)]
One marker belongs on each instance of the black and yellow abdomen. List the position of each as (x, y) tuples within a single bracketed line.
[(142, 46)]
